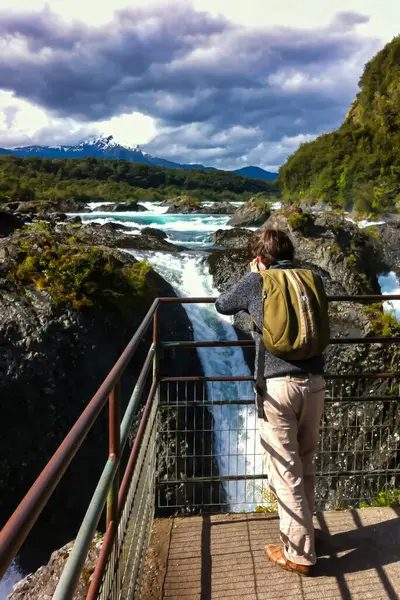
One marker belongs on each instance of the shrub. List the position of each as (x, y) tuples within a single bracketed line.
[(383, 323), (385, 498), (261, 202), (299, 221)]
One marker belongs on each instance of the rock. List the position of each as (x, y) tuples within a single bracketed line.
[(154, 232), (232, 238), (228, 266), (253, 213), (57, 217), (186, 205), (337, 246), (42, 208), (392, 218), (221, 208), (101, 235), (115, 226), (9, 223), (320, 207), (389, 235), (121, 207), (149, 242), (42, 584), (74, 220), (197, 208)]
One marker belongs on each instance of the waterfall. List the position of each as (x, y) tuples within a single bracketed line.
[(236, 437), (390, 284)]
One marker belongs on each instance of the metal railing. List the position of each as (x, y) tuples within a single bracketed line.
[(199, 474), (214, 462)]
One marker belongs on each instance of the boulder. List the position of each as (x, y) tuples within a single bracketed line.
[(116, 226), (252, 214), (389, 235), (9, 223), (74, 220), (228, 266), (232, 238), (42, 584), (93, 234), (223, 208), (122, 207), (154, 232)]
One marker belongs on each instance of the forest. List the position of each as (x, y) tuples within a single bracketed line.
[(358, 166), (92, 179)]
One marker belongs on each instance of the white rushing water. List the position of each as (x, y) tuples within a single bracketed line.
[(390, 284), (193, 231), (11, 577), (236, 436)]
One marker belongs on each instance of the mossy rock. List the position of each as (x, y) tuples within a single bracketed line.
[(74, 274)]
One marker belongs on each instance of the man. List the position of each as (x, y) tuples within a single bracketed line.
[(293, 394)]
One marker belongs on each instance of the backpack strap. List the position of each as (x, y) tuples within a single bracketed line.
[(260, 387)]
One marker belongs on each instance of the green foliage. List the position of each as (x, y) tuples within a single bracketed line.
[(263, 202), (383, 323), (95, 180), (75, 275), (357, 166), (299, 221), (385, 498)]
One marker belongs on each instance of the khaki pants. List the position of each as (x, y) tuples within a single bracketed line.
[(289, 435)]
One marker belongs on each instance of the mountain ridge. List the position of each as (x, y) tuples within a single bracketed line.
[(106, 147)]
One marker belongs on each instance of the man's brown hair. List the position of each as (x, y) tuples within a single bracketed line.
[(272, 246)]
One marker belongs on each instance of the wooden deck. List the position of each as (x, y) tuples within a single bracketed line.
[(222, 557)]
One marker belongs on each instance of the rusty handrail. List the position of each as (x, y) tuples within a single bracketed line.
[(247, 343), (344, 298)]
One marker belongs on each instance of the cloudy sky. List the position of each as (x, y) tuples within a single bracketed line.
[(222, 82)]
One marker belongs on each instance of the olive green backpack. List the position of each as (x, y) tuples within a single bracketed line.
[(295, 314)]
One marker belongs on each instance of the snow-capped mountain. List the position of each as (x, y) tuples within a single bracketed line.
[(106, 147)]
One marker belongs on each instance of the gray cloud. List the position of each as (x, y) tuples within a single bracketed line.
[(183, 67)]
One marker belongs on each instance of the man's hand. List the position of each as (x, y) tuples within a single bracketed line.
[(256, 265)]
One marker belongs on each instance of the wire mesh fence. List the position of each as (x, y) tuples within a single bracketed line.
[(125, 566), (210, 458)]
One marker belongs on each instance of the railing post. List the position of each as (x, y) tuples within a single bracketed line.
[(114, 452), (156, 334)]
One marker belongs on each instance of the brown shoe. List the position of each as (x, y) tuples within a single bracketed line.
[(277, 556)]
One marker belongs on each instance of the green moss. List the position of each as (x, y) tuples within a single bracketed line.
[(86, 574), (299, 221), (187, 200), (352, 259), (76, 275)]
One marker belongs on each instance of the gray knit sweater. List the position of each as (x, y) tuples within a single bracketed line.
[(246, 295)]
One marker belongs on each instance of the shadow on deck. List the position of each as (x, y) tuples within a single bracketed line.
[(222, 557)]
